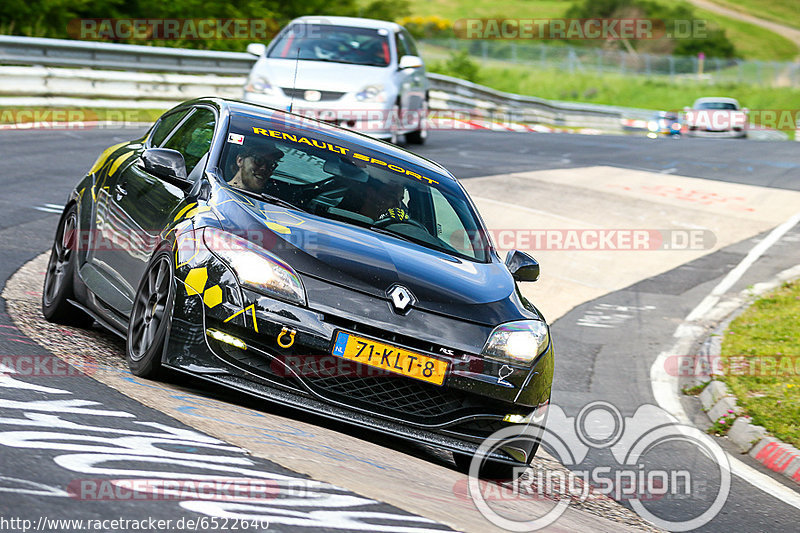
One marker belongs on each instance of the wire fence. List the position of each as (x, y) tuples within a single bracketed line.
[(575, 59)]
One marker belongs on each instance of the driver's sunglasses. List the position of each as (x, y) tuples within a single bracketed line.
[(265, 162)]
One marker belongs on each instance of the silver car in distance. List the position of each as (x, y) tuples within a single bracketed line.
[(361, 74)]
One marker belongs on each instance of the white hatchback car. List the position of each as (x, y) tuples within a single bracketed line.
[(358, 73), (716, 117)]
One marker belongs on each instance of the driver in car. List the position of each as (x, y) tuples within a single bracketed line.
[(254, 166), (377, 200)]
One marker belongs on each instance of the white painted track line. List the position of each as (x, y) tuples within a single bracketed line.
[(666, 387)]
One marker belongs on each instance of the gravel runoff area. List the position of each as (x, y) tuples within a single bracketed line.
[(97, 349)]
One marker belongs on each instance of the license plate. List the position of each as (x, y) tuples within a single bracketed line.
[(390, 358)]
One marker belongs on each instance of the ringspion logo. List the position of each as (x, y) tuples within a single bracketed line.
[(642, 459)]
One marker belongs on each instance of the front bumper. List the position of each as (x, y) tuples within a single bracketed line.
[(474, 401), (718, 134)]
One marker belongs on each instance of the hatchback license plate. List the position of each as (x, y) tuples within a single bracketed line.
[(390, 358)]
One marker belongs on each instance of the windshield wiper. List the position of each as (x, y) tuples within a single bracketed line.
[(279, 201), (383, 231), (272, 199)]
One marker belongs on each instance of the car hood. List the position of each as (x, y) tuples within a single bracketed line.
[(339, 77), (362, 260)]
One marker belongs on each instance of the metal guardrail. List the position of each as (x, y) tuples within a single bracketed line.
[(455, 93), (121, 72), (65, 53)]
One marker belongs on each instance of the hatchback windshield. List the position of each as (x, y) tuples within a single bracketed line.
[(339, 44), (318, 174), (726, 106)]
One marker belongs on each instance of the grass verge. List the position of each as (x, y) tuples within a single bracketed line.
[(786, 12), (761, 357), (654, 92), (751, 41)]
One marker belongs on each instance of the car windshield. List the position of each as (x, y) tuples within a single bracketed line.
[(339, 44), (315, 172), (726, 106)]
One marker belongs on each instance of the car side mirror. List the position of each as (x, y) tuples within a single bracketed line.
[(522, 266), (256, 49), (166, 164), (409, 62)]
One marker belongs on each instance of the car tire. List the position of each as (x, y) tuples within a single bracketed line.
[(150, 317), (59, 278), (419, 136)]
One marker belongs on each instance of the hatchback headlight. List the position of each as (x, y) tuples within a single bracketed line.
[(517, 342), (372, 93), (255, 267), (259, 84)]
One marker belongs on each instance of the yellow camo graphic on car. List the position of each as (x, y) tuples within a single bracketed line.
[(191, 210), (184, 210), (98, 164), (281, 222), (213, 296), (180, 245), (196, 280), (243, 312), (119, 161), (336, 149), (195, 283)]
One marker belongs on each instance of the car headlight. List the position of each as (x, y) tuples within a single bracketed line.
[(259, 84), (517, 342), (652, 125), (255, 267), (371, 93)]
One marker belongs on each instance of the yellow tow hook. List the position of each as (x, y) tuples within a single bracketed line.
[(284, 333)]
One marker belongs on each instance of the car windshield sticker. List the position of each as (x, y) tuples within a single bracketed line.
[(343, 151), (235, 138)]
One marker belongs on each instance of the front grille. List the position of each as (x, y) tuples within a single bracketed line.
[(386, 393), (402, 396), (360, 387), (326, 96)]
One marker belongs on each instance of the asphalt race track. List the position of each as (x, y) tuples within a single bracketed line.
[(613, 312)]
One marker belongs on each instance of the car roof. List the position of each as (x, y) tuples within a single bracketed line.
[(721, 99), (237, 107), (348, 21)]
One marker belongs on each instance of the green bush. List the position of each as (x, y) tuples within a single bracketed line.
[(709, 39), (458, 65)]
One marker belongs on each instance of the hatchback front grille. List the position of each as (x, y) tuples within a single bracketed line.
[(403, 396), (325, 96)]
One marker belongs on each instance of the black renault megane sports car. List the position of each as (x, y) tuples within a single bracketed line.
[(311, 266)]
